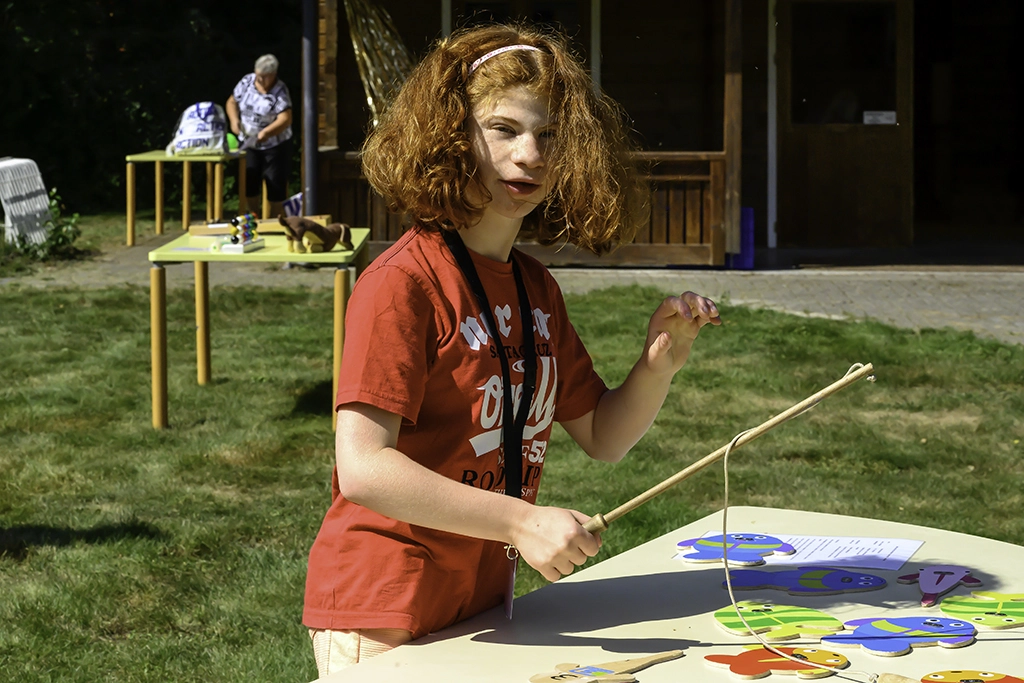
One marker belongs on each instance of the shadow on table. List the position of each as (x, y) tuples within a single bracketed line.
[(16, 541), (572, 614)]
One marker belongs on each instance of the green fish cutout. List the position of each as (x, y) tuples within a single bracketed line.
[(777, 622), (987, 608)]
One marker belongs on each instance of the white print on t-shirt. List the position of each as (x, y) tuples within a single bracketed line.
[(542, 411), (476, 336), (474, 333), (502, 315)]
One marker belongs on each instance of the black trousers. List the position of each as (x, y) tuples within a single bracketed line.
[(272, 164)]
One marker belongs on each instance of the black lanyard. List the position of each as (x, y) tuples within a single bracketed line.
[(511, 427)]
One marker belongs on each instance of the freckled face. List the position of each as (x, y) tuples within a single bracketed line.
[(511, 132)]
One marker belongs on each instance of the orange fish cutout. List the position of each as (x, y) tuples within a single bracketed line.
[(758, 662), (609, 672)]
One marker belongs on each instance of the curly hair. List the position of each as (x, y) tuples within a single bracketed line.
[(421, 160)]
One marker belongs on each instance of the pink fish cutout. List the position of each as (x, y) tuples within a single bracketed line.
[(939, 579)]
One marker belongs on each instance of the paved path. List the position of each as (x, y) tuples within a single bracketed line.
[(987, 300)]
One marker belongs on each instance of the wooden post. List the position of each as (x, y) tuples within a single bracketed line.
[(340, 303), (732, 134), (265, 209), (186, 194), (159, 213), (209, 192), (158, 342), (130, 205), (327, 68), (202, 322), (218, 191), (243, 201)]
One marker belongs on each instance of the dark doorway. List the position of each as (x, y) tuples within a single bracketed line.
[(969, 124)]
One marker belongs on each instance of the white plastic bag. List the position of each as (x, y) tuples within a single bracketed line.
[(201, 129)]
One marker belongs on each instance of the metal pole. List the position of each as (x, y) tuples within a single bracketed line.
[(310, 38)]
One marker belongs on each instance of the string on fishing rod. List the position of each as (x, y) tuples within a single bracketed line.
[(840, 673)]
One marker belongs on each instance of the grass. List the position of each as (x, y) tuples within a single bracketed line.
[(131, 554)]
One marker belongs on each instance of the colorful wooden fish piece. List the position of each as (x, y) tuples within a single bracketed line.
[(610, 672), (757, 662), (937, 580), (806, 580), (969, 676), (777, 622), (896, 636), (742, 549), (987, 608)]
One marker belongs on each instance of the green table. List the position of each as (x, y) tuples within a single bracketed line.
[(214, 185), (196, 250)]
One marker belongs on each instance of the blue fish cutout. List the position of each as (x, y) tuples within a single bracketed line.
[(896, 636), (806, 580), (743, 549)]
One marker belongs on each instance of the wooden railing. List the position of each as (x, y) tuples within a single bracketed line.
[(686, 221)]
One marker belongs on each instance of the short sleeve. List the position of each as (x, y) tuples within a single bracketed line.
[(283, 101), (239, 92), (390, 338), (579, 387)]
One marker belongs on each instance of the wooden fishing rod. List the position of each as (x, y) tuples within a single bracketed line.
[(600, 522)]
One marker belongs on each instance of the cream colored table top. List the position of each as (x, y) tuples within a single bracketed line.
[(643, 601)]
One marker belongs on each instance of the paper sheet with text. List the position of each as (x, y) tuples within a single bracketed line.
[(841, 551)]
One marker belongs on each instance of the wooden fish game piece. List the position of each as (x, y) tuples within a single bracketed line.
[(776, 622), (937, 580), (758, 662), (969, 676), (987, 608), (609, 672), (806, 580), (741, 549), (898, 635)]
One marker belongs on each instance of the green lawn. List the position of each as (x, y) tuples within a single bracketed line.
[(129, 554)]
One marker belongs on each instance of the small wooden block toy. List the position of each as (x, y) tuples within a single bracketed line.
[(895, 637), (741, 549), (609, 672), (969, 676), (939, 579), (777, 622), (757, 662), (987, 608), (806, 580)]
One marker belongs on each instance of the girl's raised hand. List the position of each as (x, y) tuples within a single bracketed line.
[(673, 327)]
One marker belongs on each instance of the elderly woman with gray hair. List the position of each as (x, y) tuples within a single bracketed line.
[(260, 113)]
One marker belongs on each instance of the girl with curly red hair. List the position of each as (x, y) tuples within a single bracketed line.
[(459, 354)]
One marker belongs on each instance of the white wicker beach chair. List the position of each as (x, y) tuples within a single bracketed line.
[(25, 201)]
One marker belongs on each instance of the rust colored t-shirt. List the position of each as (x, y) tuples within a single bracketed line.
[(416, 346)]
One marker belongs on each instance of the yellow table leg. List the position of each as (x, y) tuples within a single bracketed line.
[(202, 322), (158, 342), (218, 191), (243, 203), (186, 194), (209, 192), (159, 197), (266, 203), (130, 205), (340, 304)]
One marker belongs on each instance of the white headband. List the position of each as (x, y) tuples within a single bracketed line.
[(494, 53)]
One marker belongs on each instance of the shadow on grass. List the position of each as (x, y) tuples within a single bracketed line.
[(316, 400), (16, 541)]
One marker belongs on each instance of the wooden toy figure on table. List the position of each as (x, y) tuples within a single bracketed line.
[(243, 235)]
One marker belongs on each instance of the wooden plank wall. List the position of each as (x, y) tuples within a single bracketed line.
[(685, 227)]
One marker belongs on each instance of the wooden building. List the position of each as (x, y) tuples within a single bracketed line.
[(864, 123)]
